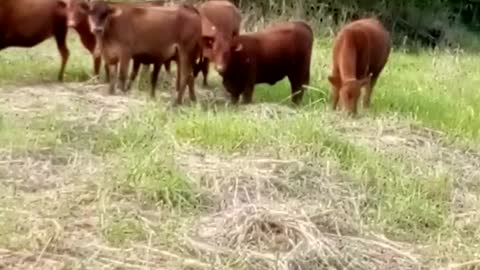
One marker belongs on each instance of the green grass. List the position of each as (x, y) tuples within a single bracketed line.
[(405, 198), (402, 203)]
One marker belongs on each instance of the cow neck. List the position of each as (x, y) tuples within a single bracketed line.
[(114, 31), (86, 36)]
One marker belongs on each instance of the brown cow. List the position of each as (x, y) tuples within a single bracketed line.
[(220, 19), (279, 51), (154, 33), (27, 23), (77, 18), (360, 53)]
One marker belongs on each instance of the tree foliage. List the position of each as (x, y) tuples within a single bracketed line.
[(422, 20)]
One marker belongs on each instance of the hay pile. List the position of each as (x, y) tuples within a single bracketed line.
[(278, 237)]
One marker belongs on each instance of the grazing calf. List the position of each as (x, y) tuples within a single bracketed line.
[(77, 18), (27, 23), (156, 34), (360, 53), (282, 50), (220, 19)]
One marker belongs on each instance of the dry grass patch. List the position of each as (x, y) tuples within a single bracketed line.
[(277, 236), (97, 181)]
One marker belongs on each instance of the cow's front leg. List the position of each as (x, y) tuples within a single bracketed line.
[(247, 95)]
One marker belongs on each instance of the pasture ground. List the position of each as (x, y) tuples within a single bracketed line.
[(91, 181)]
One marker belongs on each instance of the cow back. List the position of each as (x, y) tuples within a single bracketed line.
[(275, 52), (361, 47), (26, 23), (224, 15), (154, 29)]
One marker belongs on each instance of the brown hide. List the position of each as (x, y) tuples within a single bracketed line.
[(155, 34), (220, 19), (27, 23), (77, 18), (360, 52), (279, 51)]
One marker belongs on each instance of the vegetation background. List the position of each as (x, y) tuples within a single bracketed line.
[(92, 181)]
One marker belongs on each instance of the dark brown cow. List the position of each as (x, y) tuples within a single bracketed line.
[(27, 23), (220, 19), (281, 50), (360, 53), (154, 34), (77, 18)]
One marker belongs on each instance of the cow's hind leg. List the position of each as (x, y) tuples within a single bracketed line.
[(154, 79), (191, 88), (205, 68), (133, 75), (247, 95), (60, 38), (183, 71), (107, 72), (191, 76), (123, 70), (297, 83), (368, 91), (112, 76), (97, 61), (234, 98)]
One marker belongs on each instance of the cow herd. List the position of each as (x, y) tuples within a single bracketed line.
[(157, 33)]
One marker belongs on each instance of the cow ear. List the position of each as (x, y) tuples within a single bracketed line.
[(62, 3), (85, 6), (239, 47), (334, 81), (207, 41), (115, 12)]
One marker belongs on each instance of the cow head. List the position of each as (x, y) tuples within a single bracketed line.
[(349, 90), (99, 16), (77, 12), (223, 50), (209, 31)]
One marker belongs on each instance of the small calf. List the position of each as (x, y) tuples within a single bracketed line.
[(77, 18), (156, 34), (360, 53)]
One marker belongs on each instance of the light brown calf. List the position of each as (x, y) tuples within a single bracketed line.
[(77, 18), (360, 53), (155, 33)]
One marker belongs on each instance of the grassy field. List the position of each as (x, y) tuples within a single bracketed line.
[(91, 181)]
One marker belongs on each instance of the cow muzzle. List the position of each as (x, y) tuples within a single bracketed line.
[(98, 30), (220, 68), (71, 23)]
